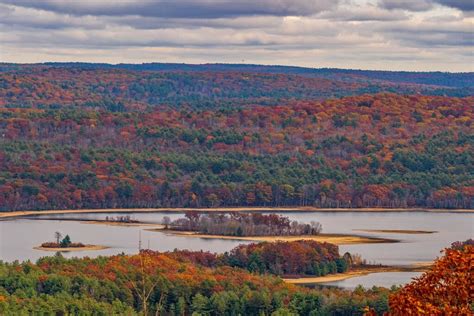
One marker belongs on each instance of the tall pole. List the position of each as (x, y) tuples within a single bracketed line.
[(139, 240)]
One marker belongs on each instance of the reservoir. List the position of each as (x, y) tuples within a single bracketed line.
[(18, 236)]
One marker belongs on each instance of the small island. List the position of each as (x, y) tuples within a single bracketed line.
[(65, 244), (255, 227), (240, 225)]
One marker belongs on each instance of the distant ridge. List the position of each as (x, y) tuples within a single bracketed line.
[(444, 79)]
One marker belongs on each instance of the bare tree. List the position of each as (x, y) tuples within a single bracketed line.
[(145, 284), (58, 236), (166, 221), (316, 227)]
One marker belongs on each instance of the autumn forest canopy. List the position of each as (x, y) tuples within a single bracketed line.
[(171, 135)]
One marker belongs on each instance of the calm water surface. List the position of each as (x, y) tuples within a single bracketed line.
[(385, 279), (19, 236)]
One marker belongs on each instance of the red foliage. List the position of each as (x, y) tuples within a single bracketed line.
[(447, 289)]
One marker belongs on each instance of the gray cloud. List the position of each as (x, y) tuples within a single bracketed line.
[(367, 13), (425, 5), (410, 5), (181, 8), (411, 35), (26, 17), (463, 5)]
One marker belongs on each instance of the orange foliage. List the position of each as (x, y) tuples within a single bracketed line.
[(447, 289)]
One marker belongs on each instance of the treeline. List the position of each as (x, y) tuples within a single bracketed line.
[(121, 219), (295, 258), (289, 258), (367, 151), (242, 224)]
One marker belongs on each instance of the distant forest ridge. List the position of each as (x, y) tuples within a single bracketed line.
[(437, 78), (127, 87)]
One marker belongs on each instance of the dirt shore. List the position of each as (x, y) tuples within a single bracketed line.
[(86, 247), (229, 209), (396, 231), (356, 273), (338, 239)]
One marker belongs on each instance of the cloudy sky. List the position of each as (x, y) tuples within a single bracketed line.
[(363, 34)]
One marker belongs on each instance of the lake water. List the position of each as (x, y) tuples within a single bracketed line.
[(19, 236)]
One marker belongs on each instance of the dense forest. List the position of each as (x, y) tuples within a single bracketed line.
[(121, 89), (295, 258), (98, 136), (192, 283)]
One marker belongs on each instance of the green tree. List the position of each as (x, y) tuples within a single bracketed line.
[(66, 241), (200, 304)]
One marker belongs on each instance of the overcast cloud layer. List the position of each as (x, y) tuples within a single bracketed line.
[(365, 34)]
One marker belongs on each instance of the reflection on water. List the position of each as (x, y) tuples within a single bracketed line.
[(19, 236)]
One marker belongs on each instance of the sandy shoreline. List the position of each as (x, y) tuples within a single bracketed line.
[(229, 209), (86, 247), (337, 239), (396, 231), (356, 273)]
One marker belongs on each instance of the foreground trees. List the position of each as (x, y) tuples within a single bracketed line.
[(201, 283), (153, 283), (447, 289)]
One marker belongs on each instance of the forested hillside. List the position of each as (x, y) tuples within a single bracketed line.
[(202, 283), (152, 283), (120, 89), (96, 137)]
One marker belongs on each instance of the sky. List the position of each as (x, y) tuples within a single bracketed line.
[(421, 35)]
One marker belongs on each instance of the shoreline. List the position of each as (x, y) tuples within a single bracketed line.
[(123, 224), (421, 267), (70, 249), (396, 231), (13, 214), (337, 239)]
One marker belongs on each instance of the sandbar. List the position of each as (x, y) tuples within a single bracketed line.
[(337, 239), (356, 273), (396, 231)]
